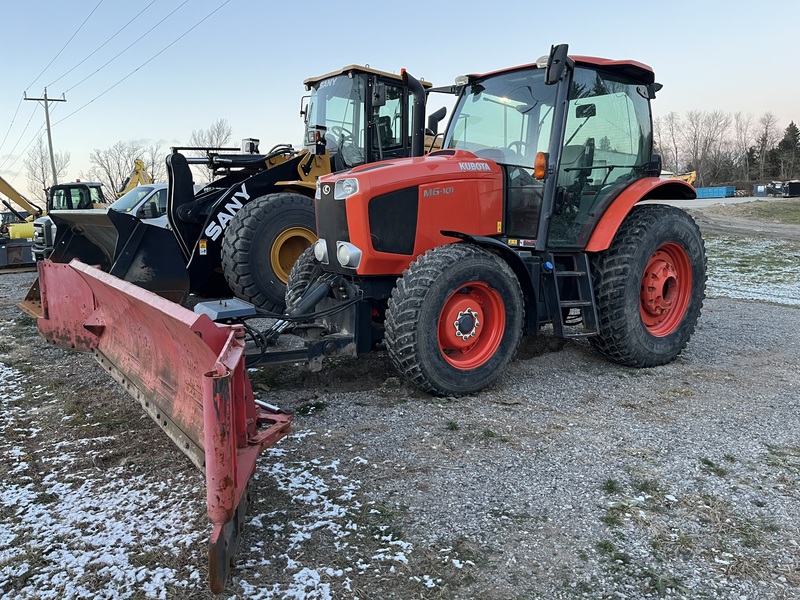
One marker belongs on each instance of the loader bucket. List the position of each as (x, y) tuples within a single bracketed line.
[(88, 235), (125, 246), (186, 371)]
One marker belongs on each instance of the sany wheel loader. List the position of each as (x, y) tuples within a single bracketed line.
[(537, 212), (242, 233)]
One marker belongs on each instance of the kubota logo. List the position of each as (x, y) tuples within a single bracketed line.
[(226, 214), (474, 166)]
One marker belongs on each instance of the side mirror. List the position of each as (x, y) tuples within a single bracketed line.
[(585, 111), (653, 168), (556, 64), (434, 119), (304, 108)]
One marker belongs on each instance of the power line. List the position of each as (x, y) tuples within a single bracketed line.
[(11, 152), (3, 143), (65, 45), (148, 61), (136, 41), (103, 44)]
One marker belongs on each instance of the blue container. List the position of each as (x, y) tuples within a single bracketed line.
[(712, 192)]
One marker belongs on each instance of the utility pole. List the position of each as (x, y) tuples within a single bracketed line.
[(47, 101)]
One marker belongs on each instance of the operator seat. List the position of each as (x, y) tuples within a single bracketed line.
[(385, 132), (572, 157)]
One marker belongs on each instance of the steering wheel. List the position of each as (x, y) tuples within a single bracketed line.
[(342, 133), (520, 147)]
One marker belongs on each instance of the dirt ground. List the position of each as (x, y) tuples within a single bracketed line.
[(572, 478)]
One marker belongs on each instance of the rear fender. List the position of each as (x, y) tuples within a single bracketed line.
[(651, 188)]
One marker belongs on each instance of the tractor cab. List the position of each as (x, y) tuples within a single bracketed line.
[(359, 115), (590, 127)]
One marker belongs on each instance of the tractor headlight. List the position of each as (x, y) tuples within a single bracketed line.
[(344, 188), (348, 254), (318, 193), (321, 251)]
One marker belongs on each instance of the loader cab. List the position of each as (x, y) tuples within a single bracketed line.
[(358, 115), (591, 129), (76, 196)]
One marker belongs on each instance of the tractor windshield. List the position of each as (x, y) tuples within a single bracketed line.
[(338, 104), (506, 118)]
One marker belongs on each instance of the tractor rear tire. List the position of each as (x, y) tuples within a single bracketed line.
[(261, 245), (454, 320), (649, 286), (304, 272)]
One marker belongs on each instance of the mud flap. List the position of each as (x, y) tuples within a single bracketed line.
[(186, 371)]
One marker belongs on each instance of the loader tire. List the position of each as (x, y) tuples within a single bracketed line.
[(649, 286), (305, 270), (454, 320), (261, 245)]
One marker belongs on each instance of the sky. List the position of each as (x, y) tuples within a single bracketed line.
[(155, 71)]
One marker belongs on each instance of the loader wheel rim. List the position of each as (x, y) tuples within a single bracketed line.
[(471, 325), (287, 248), (666, 289)]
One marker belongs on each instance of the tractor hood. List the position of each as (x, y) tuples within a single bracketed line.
[(384, 214)]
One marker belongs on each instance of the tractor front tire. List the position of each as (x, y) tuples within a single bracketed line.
[(649, 286), (304, 272), (261, 245), (454, 320)]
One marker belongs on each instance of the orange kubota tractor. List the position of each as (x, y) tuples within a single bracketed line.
[(534, 213)]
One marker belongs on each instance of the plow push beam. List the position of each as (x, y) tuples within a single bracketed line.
[(186, 371)]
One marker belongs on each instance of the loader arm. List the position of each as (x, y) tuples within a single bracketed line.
[(186, 371)]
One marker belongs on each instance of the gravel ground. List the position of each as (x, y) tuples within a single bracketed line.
[(571, 478)]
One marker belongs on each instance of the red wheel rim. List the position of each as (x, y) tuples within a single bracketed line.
[(471, 325), (666, 289)]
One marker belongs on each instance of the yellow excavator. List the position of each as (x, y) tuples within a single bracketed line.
[(139, 176), (689, 177), (24, 228)]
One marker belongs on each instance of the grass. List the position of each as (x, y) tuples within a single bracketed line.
[(714, 468), (611, 486), (310, 408), (776, 211)]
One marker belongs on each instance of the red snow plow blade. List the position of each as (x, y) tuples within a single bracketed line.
[(186, 371)]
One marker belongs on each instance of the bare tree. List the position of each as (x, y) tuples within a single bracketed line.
[(216, 136), (668, 136), (113, 166), (767, 137), (743, 131), (154, 158), (704, 133), (37, 165)]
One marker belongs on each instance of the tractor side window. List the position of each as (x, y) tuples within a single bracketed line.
[(604, 146)]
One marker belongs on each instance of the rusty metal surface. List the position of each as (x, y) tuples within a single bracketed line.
[(186, 371)]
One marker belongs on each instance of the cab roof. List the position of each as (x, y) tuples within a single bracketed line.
[(359, 69), (630, 68)]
